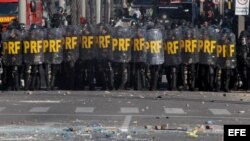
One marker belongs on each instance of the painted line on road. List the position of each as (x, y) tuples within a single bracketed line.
[(39, 109), (125, 125), (129, 110), (174, 111), (44, 101), (84, 110), (2, 108), (153, 116), (220, 112)]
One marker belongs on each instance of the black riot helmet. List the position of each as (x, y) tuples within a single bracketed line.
[(60, 10), (22, 26), (112, 22), (134, 24), (33, 27), (243, 37)]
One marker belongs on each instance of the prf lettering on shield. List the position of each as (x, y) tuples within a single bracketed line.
[(33, 47), (188, 46), (225, 50), (52, 46), (87, 41), (104, 41), (207, 46), (11, 47), (70, 43), (171, 47), (139, 44), (154, 47), (120, 44)]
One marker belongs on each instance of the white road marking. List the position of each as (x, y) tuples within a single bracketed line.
[(174, 111), (129, 110), (219, 111), (125, 125), (84, 109), (39, 101), (39, 109), (2, 108)]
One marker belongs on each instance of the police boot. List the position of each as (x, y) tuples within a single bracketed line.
[(124, 78), (174, 79), (16, 78)]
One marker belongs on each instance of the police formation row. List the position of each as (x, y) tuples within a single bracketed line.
[(119, 57)]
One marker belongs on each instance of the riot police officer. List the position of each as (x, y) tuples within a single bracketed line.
[(33, 59), (243, 59), (104, 57), (87, 57), (12, 58)]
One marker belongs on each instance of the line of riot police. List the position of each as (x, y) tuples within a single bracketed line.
[(73, 57)]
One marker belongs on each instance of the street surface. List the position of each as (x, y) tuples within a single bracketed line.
[(120, 115)]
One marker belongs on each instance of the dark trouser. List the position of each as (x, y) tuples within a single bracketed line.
[(139, 76), (154, 75), (245, 77), (121, 75), (55, 69), (88, 71), (226, 77), (69, 75), (207, 77), (106, 74), (188, 73), (13, 77), (35, 77), (171, 73)]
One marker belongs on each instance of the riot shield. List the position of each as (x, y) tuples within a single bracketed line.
[(53, 50), (104, 43), (139, 51), (71, 44), (172, 47), (189, 46), (207, 46), (121, 45), (33, 47), (88, 43), (226, 51), (154, 45), (12, 47)]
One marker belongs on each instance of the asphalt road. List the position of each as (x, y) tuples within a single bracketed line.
[(120, 115)]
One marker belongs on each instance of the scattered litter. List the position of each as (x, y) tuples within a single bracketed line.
[(159, 97), (143, 110), (241, 99), (192, 134), (203, 102), (158, 127), (188, 105), (128, 102), (68, 93), (227, 105), (141, 96), (129, 137), (242, 112), (135, 122), (164, 126), (224, 95), (107, 92), (131, 95), (29, 93), (147, 107), (148, 127), (210, 122)]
